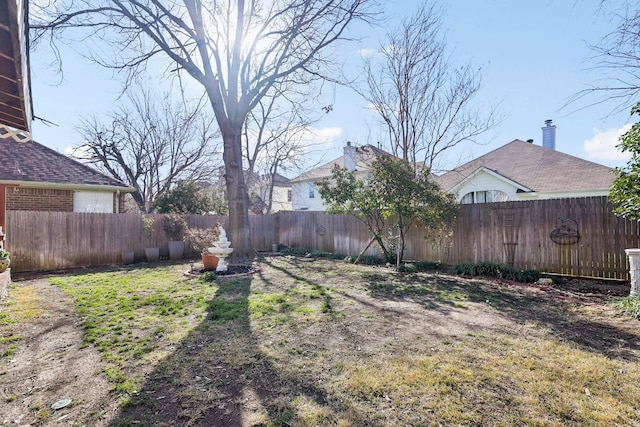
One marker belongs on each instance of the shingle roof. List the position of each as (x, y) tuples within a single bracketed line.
[(33, 162), (538, 168), (364, 156)]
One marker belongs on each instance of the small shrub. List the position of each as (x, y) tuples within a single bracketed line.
[(408, 267), (202, 238), (295, 251), (311, 253), (501, 271), (427, 266), (174, 226), (463, 269), (372, 260)]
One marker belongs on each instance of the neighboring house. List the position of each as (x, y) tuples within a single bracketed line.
[(258, 191), (34, 177), (282, 194), (523, 171), (304, 193)]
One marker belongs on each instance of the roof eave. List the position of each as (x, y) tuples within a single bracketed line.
[(493, 173), (62, 186), (15, 99)]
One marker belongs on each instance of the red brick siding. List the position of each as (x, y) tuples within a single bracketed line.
[(119, 201), (39, 199)]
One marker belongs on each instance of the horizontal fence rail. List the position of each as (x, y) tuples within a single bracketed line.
[(577, 237)]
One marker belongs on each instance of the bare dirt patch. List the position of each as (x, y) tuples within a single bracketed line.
[(50, 365), (309, 338)]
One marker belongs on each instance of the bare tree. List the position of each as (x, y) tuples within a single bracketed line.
[(236, 49), (423, 100), (274, 138), (150, 144), (618, 57)]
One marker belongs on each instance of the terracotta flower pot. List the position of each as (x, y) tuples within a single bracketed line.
[(210, 262)]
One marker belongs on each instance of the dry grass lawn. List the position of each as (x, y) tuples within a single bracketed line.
[(306, 342)]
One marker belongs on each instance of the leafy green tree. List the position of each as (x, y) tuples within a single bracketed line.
[(625, 192), (185, 197), (344, 194), (394, 194)]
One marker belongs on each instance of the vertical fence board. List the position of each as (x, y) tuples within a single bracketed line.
[(517, 232)]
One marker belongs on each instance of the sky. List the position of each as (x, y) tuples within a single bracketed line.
[(535, 56)]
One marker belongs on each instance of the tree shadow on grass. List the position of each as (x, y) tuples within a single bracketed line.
[(218, 376), (444, 293)]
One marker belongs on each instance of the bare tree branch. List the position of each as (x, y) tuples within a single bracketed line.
[(236, 49), (150, 144), (617, 56), (422, 99)]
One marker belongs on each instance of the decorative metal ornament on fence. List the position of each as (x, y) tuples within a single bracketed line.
[(510, 220), (566, 233)]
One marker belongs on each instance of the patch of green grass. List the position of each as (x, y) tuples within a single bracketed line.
[(629, 306), (10, 339), (222, 311), (261, 304), (131, 316), (9, 351), (6, 319), (304, 299), (23, 305), (43, 415)]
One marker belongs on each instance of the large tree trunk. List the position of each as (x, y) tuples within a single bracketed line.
[(239, 228)]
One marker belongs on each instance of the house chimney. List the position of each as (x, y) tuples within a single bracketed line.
[(350, 157), (549, 135)]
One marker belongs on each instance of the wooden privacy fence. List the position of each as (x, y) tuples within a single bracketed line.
[(579, 237), (43, 241)]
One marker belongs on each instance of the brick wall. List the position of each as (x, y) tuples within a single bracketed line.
[(39, 199), (119, 200)]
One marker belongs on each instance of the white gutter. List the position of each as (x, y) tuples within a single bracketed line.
[(62, 186)]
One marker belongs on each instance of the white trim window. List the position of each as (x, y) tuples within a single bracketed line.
[(489, 196), (312, 191), (93, 201)]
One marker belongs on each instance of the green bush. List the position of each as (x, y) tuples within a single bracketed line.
[(501, 271), (372, 260)]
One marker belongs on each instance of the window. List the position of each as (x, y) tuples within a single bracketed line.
[(312, 191), (93, 201), (289, 196), (490, 196)]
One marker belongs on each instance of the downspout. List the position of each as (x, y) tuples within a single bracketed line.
[(117, 201)]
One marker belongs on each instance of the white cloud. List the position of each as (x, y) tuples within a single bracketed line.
[(603, 144), (367, 52), (80, 154), (69, 151), (322, 136)]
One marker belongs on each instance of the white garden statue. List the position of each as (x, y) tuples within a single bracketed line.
[(221, 248)]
